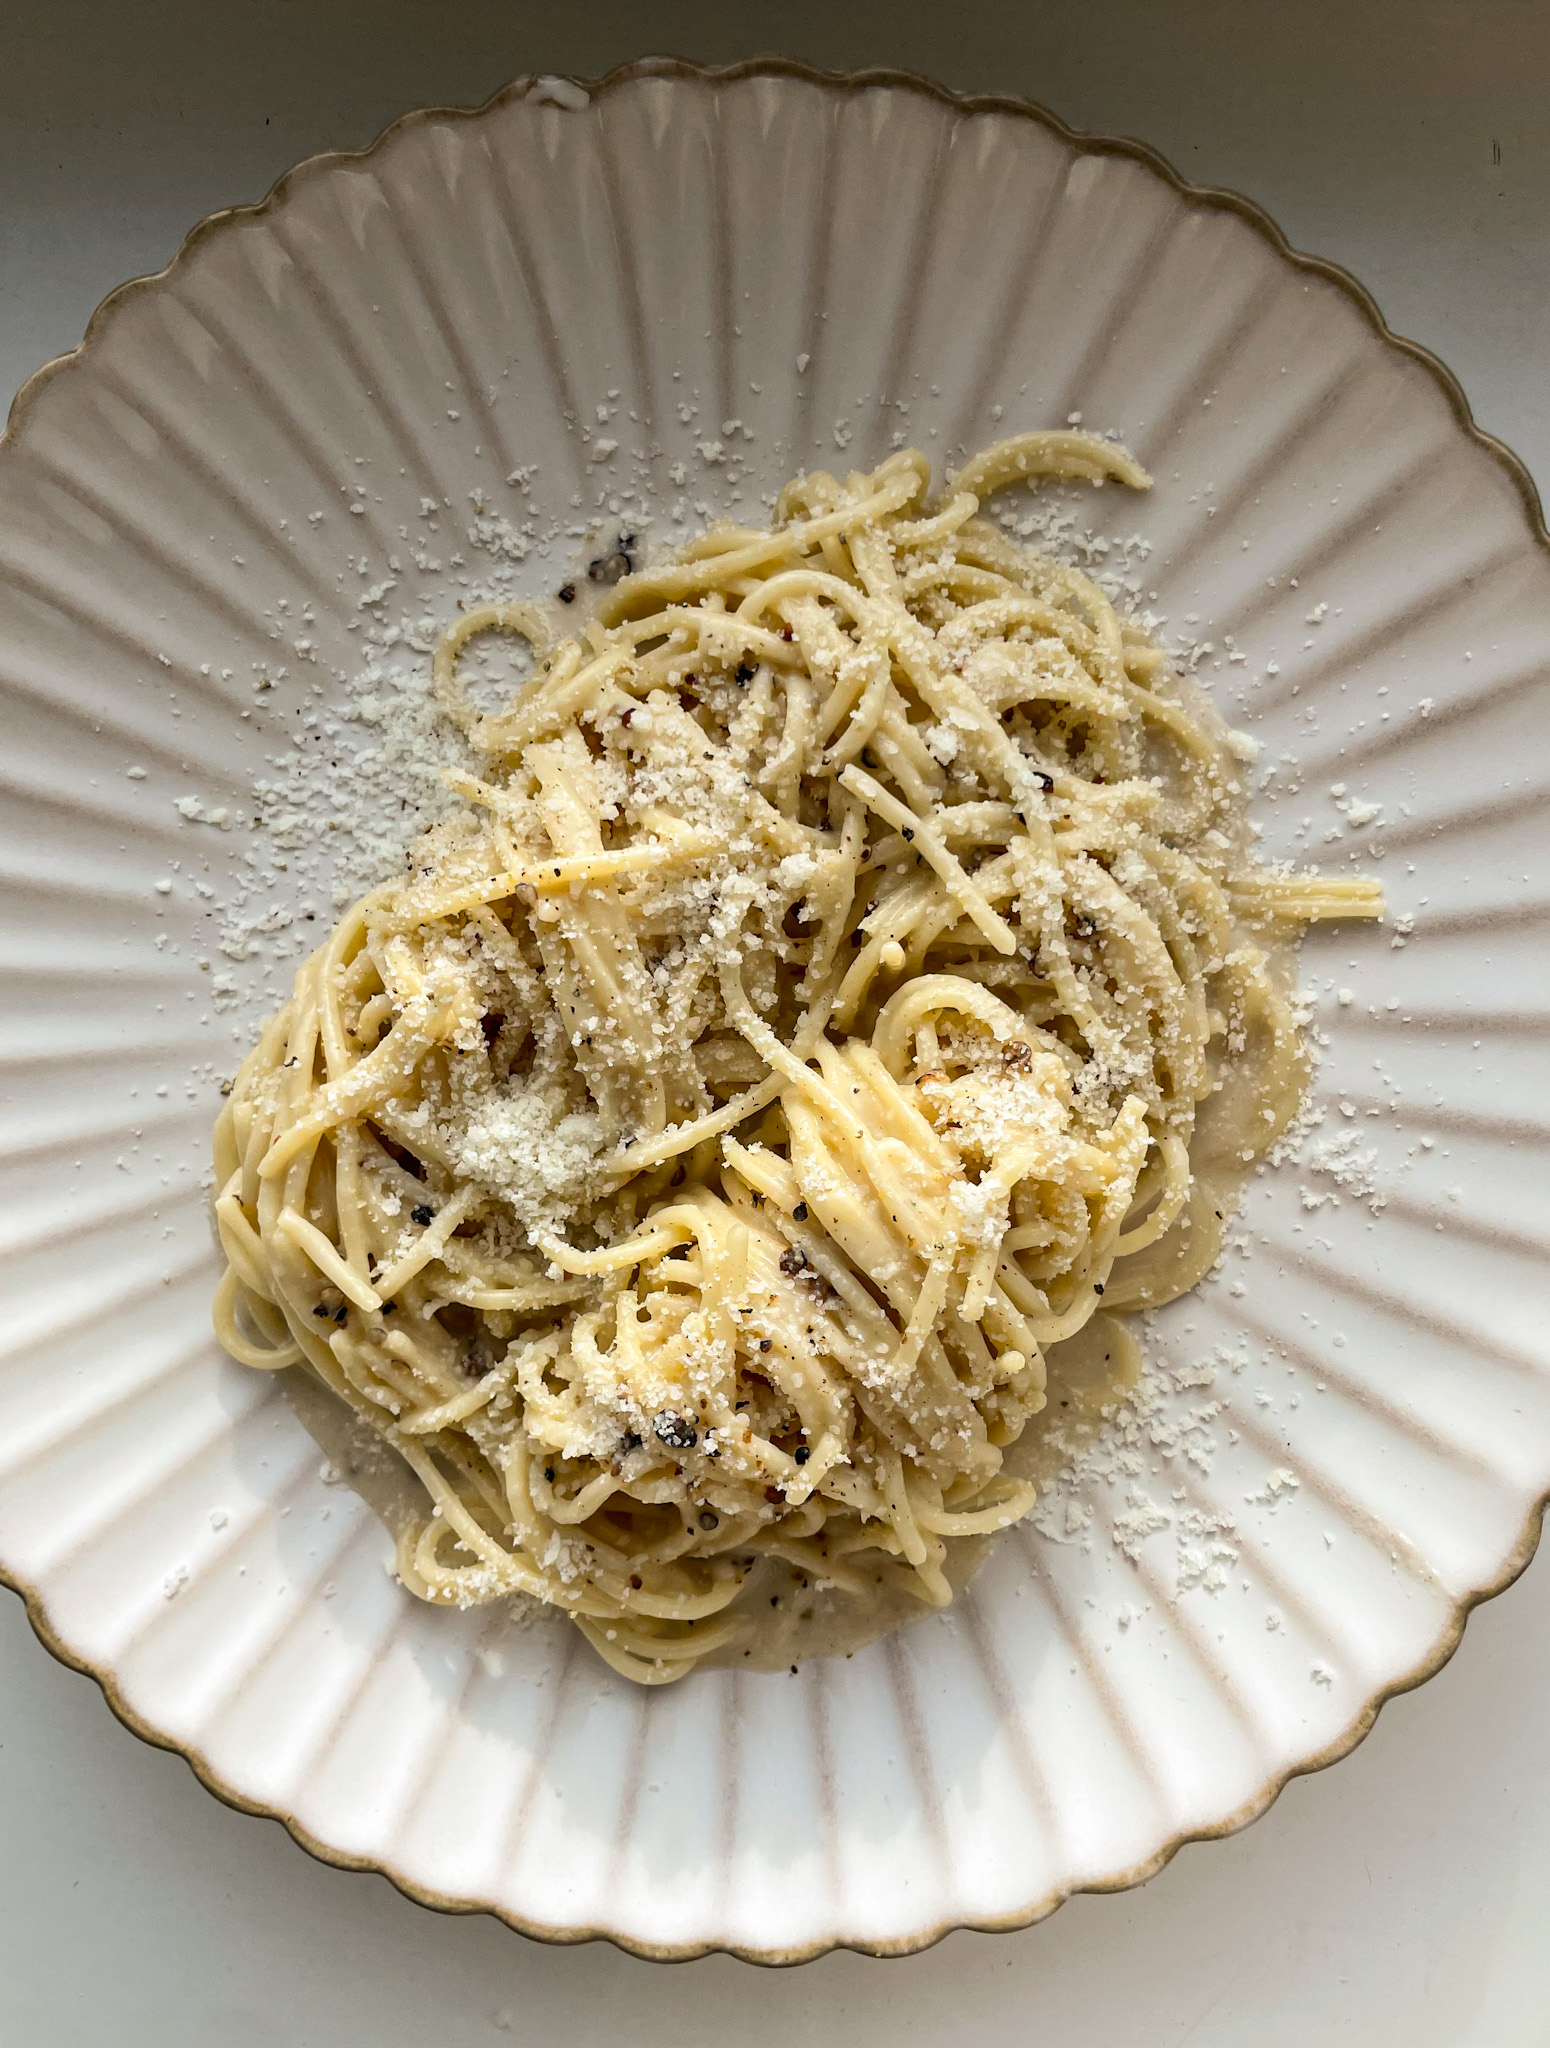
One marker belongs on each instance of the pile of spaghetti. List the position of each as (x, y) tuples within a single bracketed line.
[(798, 1028)]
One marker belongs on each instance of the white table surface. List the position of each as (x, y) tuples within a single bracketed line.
[(1401, 1900)]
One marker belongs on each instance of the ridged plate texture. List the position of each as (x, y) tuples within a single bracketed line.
[(745, 274)]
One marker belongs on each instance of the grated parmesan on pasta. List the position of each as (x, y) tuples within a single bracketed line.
[(802, 1025)]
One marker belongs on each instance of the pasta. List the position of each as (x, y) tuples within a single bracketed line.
[(803, 1023)]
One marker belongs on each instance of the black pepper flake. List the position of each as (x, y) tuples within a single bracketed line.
[(610, 568), (800, 1212), (322, 1309), (744, 672), (340, 1313), (567, 593), (1045, 782), (909, 832), (549, 1474), (801, 1454), (629, 1442), (792, 1261), (422, 1213), (675, 1431), (1097, 1287)]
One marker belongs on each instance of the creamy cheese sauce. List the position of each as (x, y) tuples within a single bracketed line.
[(1088, 1377)]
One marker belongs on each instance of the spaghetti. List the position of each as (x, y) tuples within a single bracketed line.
[(799, 1028)]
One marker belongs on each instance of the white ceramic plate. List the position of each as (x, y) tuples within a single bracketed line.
[(800, 265)]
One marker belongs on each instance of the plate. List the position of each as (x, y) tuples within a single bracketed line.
[(454, 361)]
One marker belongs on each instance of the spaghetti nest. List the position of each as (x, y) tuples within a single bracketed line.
[(798, 1029)]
